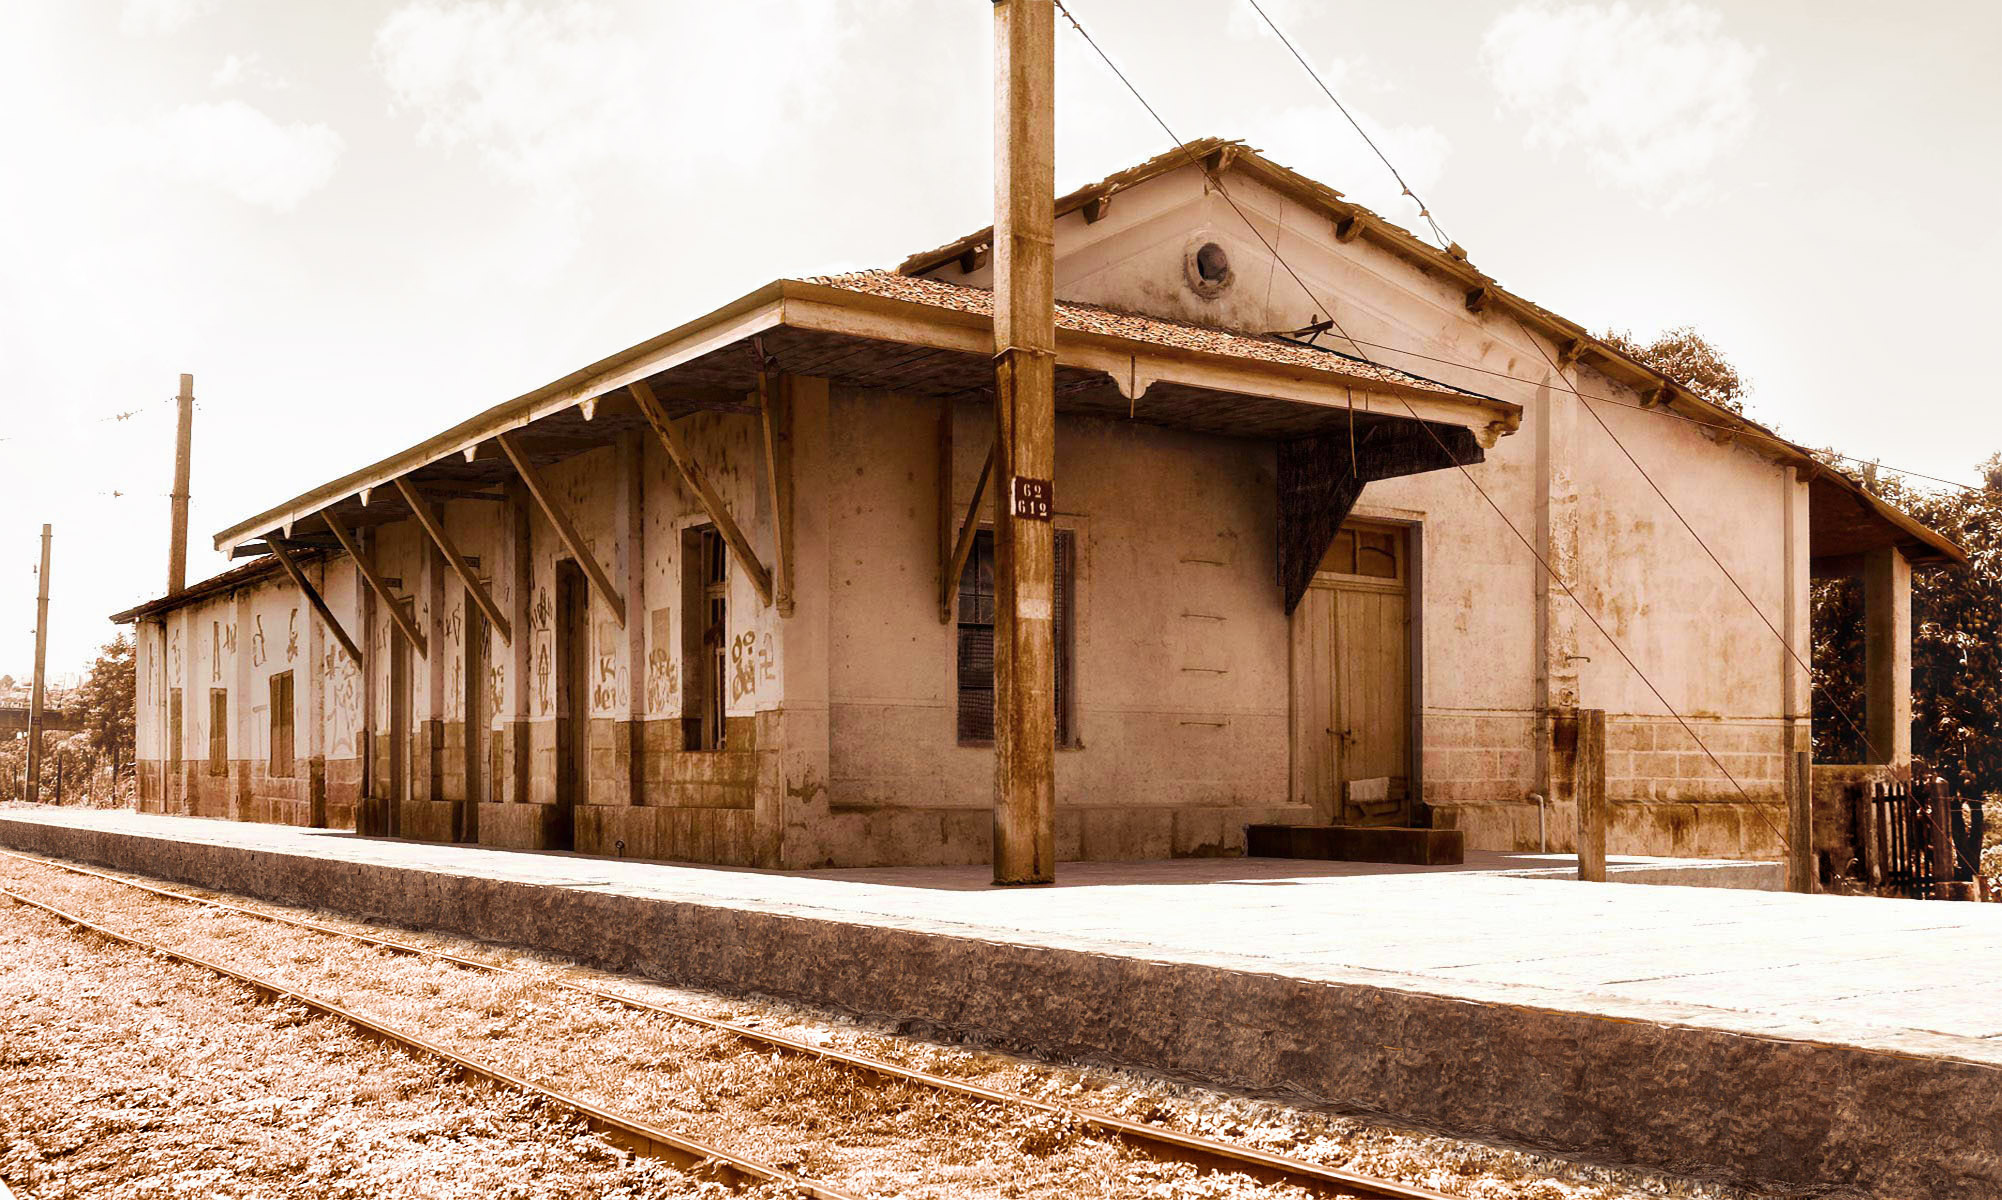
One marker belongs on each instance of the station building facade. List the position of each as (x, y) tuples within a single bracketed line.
[(1362, 515)]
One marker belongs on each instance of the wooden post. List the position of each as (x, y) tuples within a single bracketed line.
[(1869, 839), (1942, 840), (1025, 442), (1589, 789), (177, 538), (1800, 823), (36, 692)]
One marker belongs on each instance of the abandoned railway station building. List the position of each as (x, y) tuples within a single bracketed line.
[(727, 596)]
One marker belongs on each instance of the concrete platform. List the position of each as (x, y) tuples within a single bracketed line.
[(1754, 1036)]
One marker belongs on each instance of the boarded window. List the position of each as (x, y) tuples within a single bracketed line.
[(281, 725), (218, 731), (705, 589), (976, 639), (175, 737)]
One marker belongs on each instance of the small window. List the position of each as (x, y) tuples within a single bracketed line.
[(705, 590), (280, 765), (218, 731), (976, 639), (1370, 551), (174, 732)]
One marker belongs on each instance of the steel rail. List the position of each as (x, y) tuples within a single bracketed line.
[(697, 1158), (1169, 1143)]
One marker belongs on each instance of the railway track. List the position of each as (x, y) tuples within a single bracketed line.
[(696, 1156)]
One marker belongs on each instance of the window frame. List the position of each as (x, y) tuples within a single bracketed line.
[(1066, 577), (284, 727)]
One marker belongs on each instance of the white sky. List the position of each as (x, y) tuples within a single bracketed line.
[(358, 221)]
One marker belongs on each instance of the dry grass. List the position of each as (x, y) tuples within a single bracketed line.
[(815, 1119)]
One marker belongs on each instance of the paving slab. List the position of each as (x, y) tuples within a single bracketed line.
[(1731, 1032)]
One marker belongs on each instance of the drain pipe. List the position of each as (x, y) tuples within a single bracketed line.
[(1542, 824)]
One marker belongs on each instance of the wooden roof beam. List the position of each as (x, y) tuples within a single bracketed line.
[(284, 557), (559, 520), (375, 583), (460, 567), (705, 493)]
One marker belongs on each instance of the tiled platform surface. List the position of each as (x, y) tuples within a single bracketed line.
[(1743, 1034)]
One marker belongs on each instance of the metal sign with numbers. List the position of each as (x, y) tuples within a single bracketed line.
[(1034, 498)]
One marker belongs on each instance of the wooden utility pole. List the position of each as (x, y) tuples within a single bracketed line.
[(1800, 823), (1025, 346), (177, 545), (1589, 790), (36, 693)]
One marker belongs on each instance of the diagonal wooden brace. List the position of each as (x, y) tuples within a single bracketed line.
[(284, 557), (705, 493), (560, 521), (421, 509), (374, 580)]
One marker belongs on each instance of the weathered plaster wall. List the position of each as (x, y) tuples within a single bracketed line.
[(1505, 651), (236, 642), (1181, 672)]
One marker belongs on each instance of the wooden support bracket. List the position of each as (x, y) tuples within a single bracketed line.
[(1570, 352), (559, 520), (1478, 298), (1349, 228), (375, 584), (705, 494), (436, 528), (775, 411), (1096, 208), (963, 545), (284, 557)]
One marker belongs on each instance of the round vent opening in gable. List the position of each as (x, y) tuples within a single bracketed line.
[(1206, 267)]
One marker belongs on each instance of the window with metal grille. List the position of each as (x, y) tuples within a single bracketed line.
[(976, 639), (280, 764), (218, 731)]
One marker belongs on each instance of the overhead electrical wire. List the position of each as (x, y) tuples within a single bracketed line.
[(1328, 310), (1585, 403)]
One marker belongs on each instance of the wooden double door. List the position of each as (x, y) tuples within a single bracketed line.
[(1352, 714)]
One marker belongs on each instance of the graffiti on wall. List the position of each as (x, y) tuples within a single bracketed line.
[(343, 684), (608, 691), (496, 685), (542, 692), (751, 663), (174, 656), (292, 636), (258, 656)]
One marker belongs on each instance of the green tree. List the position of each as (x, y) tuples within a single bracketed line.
[(1688, 357), (106, 700)]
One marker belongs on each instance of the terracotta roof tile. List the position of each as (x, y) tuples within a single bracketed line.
[(1091, 318)]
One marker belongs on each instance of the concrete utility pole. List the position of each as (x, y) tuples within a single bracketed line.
[(34, 784), (1025, 346), (177, 545)]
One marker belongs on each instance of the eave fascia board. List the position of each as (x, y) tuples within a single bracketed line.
[(1131, 363), (742, 318)]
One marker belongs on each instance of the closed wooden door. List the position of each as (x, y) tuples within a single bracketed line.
[(1352, 680)]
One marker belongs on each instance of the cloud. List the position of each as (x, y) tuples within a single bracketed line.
[(140, 17), (240, 150), (247, 69), (1245, 23), (543, 93), (1652, 98)]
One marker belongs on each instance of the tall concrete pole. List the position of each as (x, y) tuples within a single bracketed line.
[(35, 694), (1025, 346), (177, 545)]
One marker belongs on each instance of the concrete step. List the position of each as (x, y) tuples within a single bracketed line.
[(1359, 843)]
